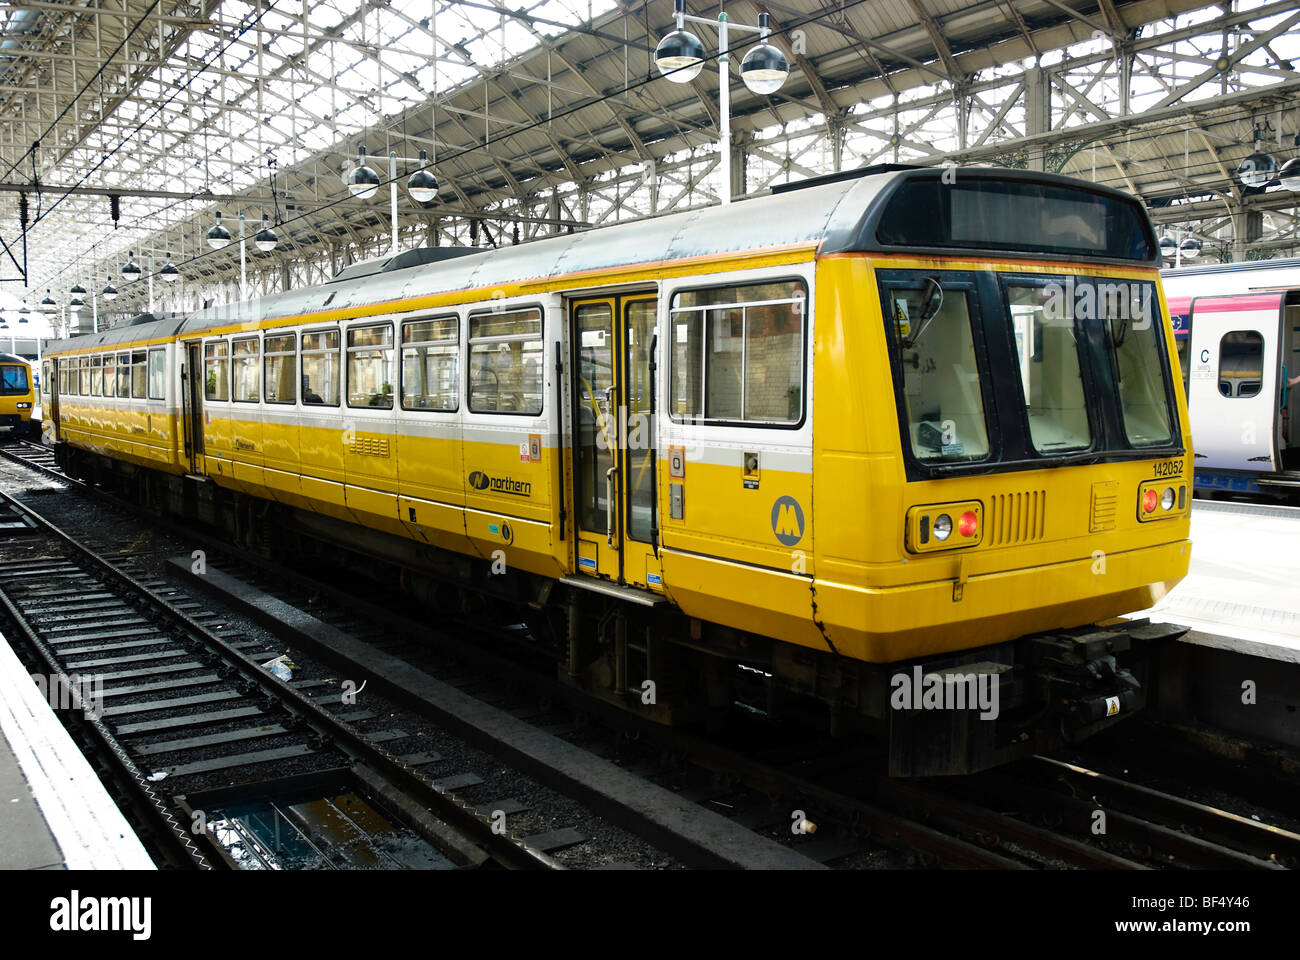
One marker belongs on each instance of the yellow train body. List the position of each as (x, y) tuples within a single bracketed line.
[(806, 536)]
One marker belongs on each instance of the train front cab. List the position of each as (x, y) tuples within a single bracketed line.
[(17, 395), (1241, 350), (1025, 475)]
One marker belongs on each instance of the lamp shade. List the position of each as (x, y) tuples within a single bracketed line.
[(680, 56), (764, 69)]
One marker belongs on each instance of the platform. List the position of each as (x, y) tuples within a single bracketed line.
[(54, 812), (1242, 592)]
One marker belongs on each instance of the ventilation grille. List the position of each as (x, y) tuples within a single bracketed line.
[(1016, 517), (1104, 504)]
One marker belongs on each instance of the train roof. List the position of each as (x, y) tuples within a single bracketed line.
[(834, 214), (14, 358), (1241, 266)]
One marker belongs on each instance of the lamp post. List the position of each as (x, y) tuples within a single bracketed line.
[(1179, 247), (680, 57)]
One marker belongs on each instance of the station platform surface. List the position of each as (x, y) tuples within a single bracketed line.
[(1242, 591), (54, 811)]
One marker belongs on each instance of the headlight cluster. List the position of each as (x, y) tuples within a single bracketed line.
[(943, 526), (1160, 499)]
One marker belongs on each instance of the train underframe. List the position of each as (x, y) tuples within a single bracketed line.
[(952, 714)]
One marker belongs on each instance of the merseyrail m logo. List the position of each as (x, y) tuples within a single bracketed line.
[(787, 520)]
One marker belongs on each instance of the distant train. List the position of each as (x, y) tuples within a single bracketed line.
[(877, 449), (1237, 326), (17, 395)]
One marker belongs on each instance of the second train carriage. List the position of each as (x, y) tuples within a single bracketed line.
[(1238, 330), (821, 443), (17, 395)]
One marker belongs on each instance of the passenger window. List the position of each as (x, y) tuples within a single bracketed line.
[(96, 376), (281, 369), (157, 374), (63, 379), (216, 373), (1043, 323), (1241, 363), (123, 375), (738, 353), (248, 370), (429, 353), (83, 376), (320, 368), (139, 374), (505, 360), (370, 366), (942, 393), (110, 375)]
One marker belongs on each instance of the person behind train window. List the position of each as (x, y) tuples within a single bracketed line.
[(308, 396)]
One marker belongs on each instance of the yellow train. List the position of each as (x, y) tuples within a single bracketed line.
[(882, 447), (17, 395)]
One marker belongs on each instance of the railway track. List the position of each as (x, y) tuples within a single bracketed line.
[(179, 706), (1038, 814)]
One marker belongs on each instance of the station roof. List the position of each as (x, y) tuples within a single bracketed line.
[(550, 116)]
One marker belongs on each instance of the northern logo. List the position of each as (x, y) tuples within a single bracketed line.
[(787, 520), (507, 485)]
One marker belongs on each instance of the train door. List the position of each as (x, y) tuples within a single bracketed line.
[(1234, 382), (50, 400), (614, 444), (192, 405), (1291, 367)]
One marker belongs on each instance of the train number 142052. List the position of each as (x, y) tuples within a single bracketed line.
[(1168, 468)]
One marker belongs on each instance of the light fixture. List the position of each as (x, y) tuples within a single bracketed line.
[(77, 290), (109, 292), (363, 183), (1168, 246), (422, 184), (1190, 248), (680, 55), (48, 306), (169, 271), (1290, 172), (23, 311), (1258, 169), (218, 236), (132, 269), (75, 304), (265, 239), (764, 68)]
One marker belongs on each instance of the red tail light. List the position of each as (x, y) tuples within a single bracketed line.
[(968, 523), (1149, 501)]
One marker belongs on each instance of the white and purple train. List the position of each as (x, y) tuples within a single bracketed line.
[(1237, 326)]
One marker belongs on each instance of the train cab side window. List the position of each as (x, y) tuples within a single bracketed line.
[(97, 376), (941, 387), (1241, 363), (320, 368), (1131, 313), (123, 375), (738, 353), (280, 369), (505, 362), (370, 366), (429, 352), (1043, 322), (216, 370), (110, 375), (157, 374), (248, 370)]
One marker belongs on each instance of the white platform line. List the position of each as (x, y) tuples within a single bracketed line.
[(89, 829)]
